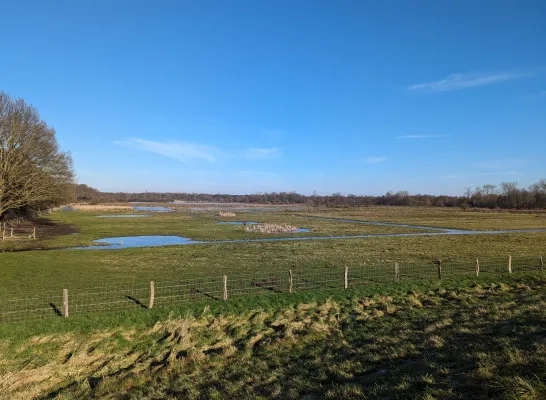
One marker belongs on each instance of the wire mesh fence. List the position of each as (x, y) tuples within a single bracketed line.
[(234, 284)]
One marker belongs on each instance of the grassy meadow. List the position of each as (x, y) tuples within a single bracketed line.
[(462, 338), (52, 270), (469, 341)]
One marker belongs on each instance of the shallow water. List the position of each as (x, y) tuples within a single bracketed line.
[(154, 241), (237, 223), (152, 208), (126, 242), (358, 221), (123, 216)]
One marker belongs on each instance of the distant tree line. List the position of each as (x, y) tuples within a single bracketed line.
[(507, 195)]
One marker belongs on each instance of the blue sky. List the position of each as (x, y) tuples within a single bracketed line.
[(250, 96)]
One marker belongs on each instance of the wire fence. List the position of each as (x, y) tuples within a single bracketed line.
[(222, 287)]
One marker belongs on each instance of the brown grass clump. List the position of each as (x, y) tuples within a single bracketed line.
[(271, 228), (226, 214), (100, 207)]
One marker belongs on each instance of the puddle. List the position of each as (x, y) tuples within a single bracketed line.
[(152, 208), (237, 223), (154, 241), (123, 216), (127, 242), (358, 221)]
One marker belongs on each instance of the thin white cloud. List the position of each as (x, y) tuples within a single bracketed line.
[(464, 81), (375, 160), (181, 151), (420, 136), (258, 153)]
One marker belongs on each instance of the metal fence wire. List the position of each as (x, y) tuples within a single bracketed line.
[(237, 283)]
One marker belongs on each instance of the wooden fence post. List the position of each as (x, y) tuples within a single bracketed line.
[(152, 295), (225, 287), (509, 264), (346, 280), (65, 303), (541, 263), (3, 235), (289, 281), (396, 272), (11, 233), (34, 233), (477, 267), (439, 263)]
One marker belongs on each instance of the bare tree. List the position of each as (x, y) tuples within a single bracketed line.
[(489, 189), (33, 172)]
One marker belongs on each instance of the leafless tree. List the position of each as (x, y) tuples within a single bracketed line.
[(33, 171)]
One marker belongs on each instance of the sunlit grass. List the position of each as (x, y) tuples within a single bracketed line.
[(479, 341)]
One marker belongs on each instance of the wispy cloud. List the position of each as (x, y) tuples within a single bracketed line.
[(261, 153), (420, 136), (375, 160), (464, 81), (181, 151)]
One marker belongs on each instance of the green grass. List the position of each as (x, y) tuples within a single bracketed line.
[(441, 217), (22, 273), (459, 338), (468, 340)]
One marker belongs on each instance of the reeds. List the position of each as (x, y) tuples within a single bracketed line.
[(226, 214), (100, 207), (271, 228)]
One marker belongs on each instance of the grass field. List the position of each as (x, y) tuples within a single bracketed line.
[(443, 217), (52, 270), (462, 337), (471, 341)]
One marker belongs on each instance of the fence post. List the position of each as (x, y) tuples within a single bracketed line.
[(225, 287), (290, 281), (65, 303), (11, 233), (439, 263), (3, 235), (477, 267), (346, 280), (152, 295), (34, 233), (541, 263), (396, 272), (509, 264)]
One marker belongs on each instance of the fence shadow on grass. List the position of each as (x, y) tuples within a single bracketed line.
[(136, 301), (41, 305), (56, 310)]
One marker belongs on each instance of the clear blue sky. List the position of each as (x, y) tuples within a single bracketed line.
[(251, 96)]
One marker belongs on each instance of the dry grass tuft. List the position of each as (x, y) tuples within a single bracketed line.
[(271, 228), (227, 214), (100, 207)]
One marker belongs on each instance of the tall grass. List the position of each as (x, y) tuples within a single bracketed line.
[(271, 228)]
